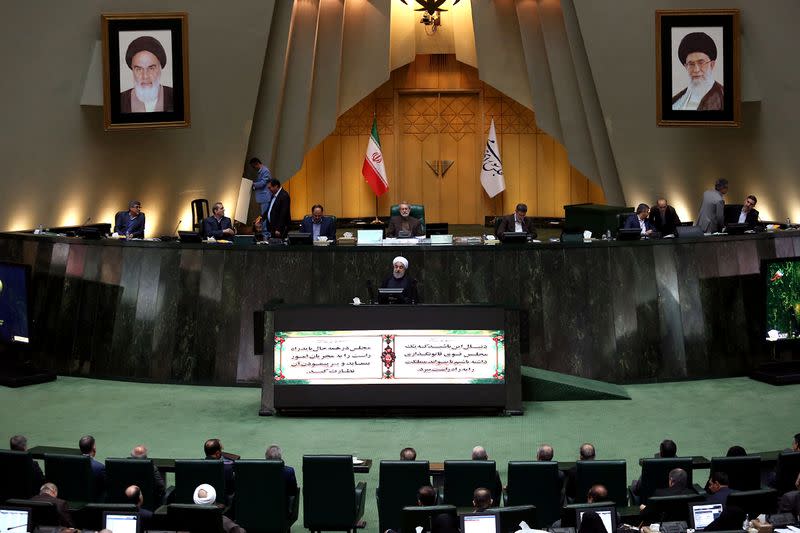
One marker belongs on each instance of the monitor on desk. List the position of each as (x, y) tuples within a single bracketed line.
[(390, 295), (508, 237), (480, 523), (736, 229), (14, 519), (189, 236), (120, 522), (703, 514), (629, 234), (607, 514), (299, 237)]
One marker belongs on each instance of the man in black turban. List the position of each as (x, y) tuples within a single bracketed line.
[(146, 57), (698, 53)]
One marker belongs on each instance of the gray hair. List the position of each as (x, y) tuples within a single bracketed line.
[(479, 453), (544, 453), (274, 452)]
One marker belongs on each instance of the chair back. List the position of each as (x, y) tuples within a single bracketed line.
[(17, 478), (194, 518), (200, 212), (261, 502), (416, 516), (189, 473), (510, 517), (671, 508), (655, 474), (461, 478), (398, 483), (329, 501), (42, 513), (744, 473), (611, 474), (786, 472), (417, 211), (90, 517), (622, 218), (535, 483), (754, 502), (122, 473), (72, 474)]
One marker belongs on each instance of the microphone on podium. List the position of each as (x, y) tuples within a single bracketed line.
[(86, 221), (371, 292), (178, 225), (175, 235)]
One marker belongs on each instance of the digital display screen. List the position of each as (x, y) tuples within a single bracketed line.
[(783, 299), (705, 514), (121, 523), (13, 303), (13, 520)]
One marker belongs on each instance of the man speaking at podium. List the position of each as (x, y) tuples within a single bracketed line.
[(401, 280)]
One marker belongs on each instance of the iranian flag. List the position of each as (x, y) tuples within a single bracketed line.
[(373, 170)]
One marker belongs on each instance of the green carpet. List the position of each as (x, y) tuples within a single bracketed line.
[(703, 417)]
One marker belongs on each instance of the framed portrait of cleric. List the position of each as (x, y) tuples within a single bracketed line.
[(145, 70), (697, 67)]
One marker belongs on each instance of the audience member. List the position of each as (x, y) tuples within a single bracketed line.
[(677, 481), (481, 499), (790, 502), (88, 448), (426, 496), (140, 452), (586, 453), (205, 494), (408, 454), (134, 495), (667, 449), (718, 487), (275, 453), (736, 451), (49, 493), (596, 494), (19, 443), (213, 449), (479, 454), (545, 453), (591, 523)]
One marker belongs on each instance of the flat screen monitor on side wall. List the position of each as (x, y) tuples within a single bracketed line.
[(782, 295), (14, 284)]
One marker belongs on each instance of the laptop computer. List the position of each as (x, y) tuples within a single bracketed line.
[(119, 522), (480, 523), (703, 514), (14, 519), (607, 514)]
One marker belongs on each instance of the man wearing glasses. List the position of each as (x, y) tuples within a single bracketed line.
[(131, 222), (698, 53)]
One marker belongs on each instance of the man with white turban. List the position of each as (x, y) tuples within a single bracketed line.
[(399, 279), (205, 494)]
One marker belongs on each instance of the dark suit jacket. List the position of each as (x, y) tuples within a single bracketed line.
[(279, 218), (671, 220), (230, 480), (632, 222), (327, 227), (99, 473), (507, 224), (64, 518), (721, 496), (291, 481), (212, 228), (752, 218), (407, 283), (395, 223), (121, 223), (673, 491)]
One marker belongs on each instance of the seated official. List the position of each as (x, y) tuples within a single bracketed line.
[(749, 215), (404, 225), (401, 280), (130, 222), (517, 222), (218, 225), (638, 220), (664, 218), (318, 225)]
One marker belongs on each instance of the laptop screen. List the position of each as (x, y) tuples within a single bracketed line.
[(605, 515), (14, 520), (121, 522), (479, 523), (704, 514)]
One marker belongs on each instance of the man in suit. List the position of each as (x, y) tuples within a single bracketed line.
[(408, 454), (130, 222), (275, 453), (664, 218), (749, 214), (479, 454), (218, 225), (263, 196), (678, 485), (213, 451), (19, 443), (711, 217), (517, 222), (134, 495), (278, 213), (404, 225), (586, 453), (399, 279), (718, 488), (140, 452), (49, 493), (318, 225), (88, 448), (638, 220)]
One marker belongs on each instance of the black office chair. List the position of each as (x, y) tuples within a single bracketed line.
[(17, 478), (332, 501), (611, 474), (261, 503), (744, 473), (194, 518), (190, 473), (416, 516), (42, 513), (73, 476), (670, 508), (754, 502), (200, 212), (786, 471), (535, 483), (398, 483), (510, 517), (122, 473), (655, 475), (461, 478)]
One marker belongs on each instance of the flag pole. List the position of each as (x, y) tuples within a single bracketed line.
[(375, 118)]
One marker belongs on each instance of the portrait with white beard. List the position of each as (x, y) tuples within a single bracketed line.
[(145, 72), (697, 69)]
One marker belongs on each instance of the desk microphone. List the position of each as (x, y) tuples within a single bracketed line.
[(371, 291), (86, 221), (177, 226)]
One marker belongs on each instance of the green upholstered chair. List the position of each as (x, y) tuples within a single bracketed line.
[(655, 474), (122, 473), (332, 501), (261, 504), (611, 474), (535, 483), (670, 508), (398, 483), (17, 478), (744, 473), (189, 473), (417, 211), (415, 516), (461, 478), (42, 513), (194, 518), (90, 517), (786, 471), (72, 474), (510, 517), (754, 502)]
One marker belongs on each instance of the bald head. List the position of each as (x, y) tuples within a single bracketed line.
[(587, 451), (598, 493), (479, 454), (139, 452), (49, 488), (544, 453), (481, 499), (134, 495)]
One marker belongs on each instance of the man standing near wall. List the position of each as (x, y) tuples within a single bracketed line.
[(711, 218)]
